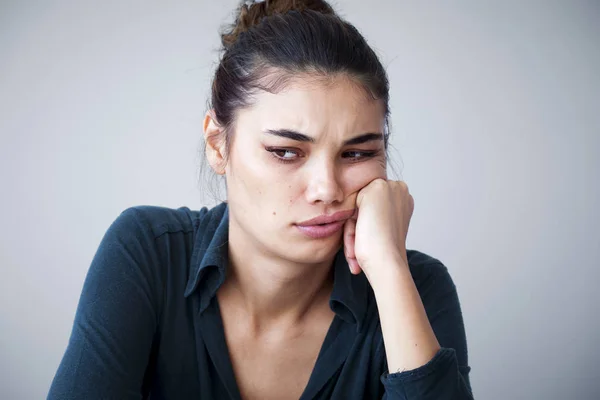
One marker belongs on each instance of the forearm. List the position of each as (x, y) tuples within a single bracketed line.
[(407, 334)]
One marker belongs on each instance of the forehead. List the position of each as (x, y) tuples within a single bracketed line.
[(315, 105)]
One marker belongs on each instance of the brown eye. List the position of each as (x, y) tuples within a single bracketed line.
[(283, 155), (356, 155)]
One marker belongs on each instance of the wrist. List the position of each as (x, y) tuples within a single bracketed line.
[(386, 273)]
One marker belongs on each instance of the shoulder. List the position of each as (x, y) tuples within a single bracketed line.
[(150, 237), (429, 273), (154, 221), (161, 238), (148, 243)]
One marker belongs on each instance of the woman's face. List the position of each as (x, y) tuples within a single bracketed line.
[(298, 154)]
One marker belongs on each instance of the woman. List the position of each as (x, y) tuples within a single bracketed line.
[(300, 285)]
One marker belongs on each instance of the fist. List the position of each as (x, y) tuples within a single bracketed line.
[(377, 231)]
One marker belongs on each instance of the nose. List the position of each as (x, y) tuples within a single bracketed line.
[(323, 185)]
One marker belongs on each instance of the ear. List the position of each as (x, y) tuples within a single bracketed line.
[(214, 136)]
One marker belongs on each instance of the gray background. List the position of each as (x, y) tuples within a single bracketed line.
[(496, 130)]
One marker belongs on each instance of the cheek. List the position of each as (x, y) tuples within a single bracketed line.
[(278, 190), (293, 192), (360, 176), (251, 175)]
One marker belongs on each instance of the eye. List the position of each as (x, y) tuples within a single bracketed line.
[(356, 155), (283, 155)]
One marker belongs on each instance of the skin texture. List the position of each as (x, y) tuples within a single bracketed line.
[(274, 300)]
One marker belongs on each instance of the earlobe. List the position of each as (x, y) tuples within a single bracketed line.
[(214, 137)]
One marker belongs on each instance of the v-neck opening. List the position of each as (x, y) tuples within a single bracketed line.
[(332, 353)]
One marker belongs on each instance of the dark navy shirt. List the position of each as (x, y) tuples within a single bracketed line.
[(148, 323)]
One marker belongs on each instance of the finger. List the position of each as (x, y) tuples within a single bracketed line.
[(349, 235), (354, 266), (361, 193), (349, 246)]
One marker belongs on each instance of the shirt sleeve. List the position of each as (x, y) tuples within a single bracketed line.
[(446, 375), (116, 317)]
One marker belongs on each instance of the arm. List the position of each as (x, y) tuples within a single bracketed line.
[(423, 330), (116, 317), (425, 341)]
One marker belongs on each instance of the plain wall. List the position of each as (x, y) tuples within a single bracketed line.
[(496, 130)]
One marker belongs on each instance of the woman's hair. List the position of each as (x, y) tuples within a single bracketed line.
[(272, 41)]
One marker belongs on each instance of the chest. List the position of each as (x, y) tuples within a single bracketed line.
[(273, 370), (275, 364)]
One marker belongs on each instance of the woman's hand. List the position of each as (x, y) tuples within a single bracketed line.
[(376, 234)]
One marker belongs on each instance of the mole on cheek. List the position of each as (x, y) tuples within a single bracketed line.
[(274, 213)]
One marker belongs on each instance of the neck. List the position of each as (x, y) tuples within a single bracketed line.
[(271, 289)]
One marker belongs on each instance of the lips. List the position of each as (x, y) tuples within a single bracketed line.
[(325, 225), (321, 231), (328, 219)]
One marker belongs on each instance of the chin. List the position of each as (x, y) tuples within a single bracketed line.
[(313, 251)]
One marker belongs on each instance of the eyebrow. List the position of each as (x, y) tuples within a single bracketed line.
[(300, 137)]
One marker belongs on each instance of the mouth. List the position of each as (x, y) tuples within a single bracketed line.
[(328, 219), (320, 231), (325, 225)]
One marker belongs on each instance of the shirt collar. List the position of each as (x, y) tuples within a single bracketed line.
[(210, 258)]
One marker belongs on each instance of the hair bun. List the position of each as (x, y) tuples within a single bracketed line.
[(250, 13)]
